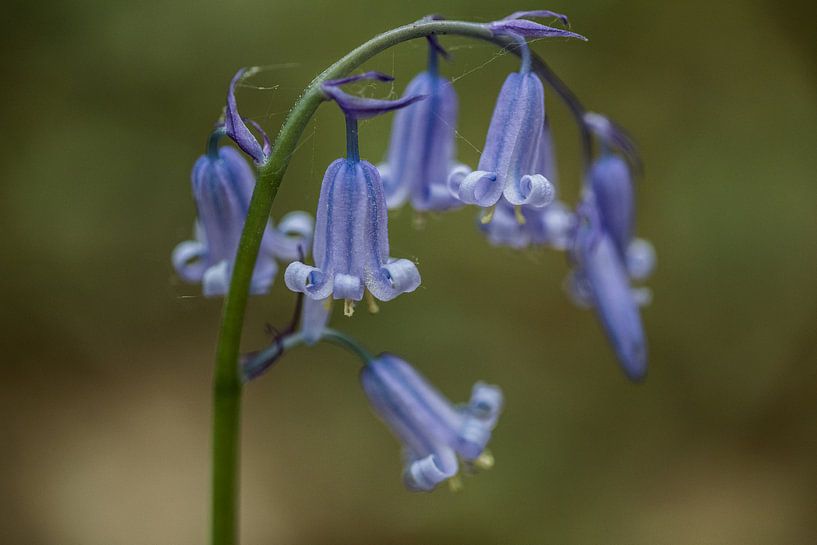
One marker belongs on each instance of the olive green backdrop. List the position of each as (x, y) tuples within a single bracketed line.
[(106, 357)]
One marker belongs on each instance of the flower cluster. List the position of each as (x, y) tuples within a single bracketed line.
[(514, 185)]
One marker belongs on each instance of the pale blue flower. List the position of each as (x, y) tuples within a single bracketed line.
[(351, 247), (222, 185), (423, 140), (601, 280), (434, 433)]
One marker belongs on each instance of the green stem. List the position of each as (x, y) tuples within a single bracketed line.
[(227, 381), (341, 339)]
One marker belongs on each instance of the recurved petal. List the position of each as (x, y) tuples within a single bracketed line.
[(640, 259), (188, 260), (480, 187), (395, 277), (216, 280), (310, 281), (424, 474), (481, 416), (532, 190), (291, 239)]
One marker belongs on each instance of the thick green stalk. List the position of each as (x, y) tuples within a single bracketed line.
[(227, 382)]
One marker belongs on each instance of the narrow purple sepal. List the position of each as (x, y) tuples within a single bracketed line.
[(422, 147), (360, 107), (530, 29), (432, 430), (351, 244), (509, 166), (541, 13), (603, 281), (238, 131), (222, 186)]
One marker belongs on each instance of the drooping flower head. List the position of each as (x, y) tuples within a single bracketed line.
[(508, 167), (351, 247), (601, 280), (523, 226), (611, 181), (222, 185), (434, 433), (423, 138)]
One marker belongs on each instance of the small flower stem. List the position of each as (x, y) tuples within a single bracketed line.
[(352, 148), (227, 384), (347, 342)]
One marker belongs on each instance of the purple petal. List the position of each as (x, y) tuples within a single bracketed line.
[(292, 237), (364, 108), (351, 245), (425, 474), (512, 143), (606, 278), (430, 428), (612, 188), (531, 190), (188, 260), (237, 130), (314, 317), (422, 145), (396, 277)]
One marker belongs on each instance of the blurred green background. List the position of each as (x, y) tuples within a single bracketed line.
[(105, 375)]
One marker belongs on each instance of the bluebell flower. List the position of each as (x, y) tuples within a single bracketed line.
[(508, 167), (351, 245), (434, 433), (601, 280), (222, 185), (611, 183), (524, 226), (422, 146)]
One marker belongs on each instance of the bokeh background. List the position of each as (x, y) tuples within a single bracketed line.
[(105, 374)]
